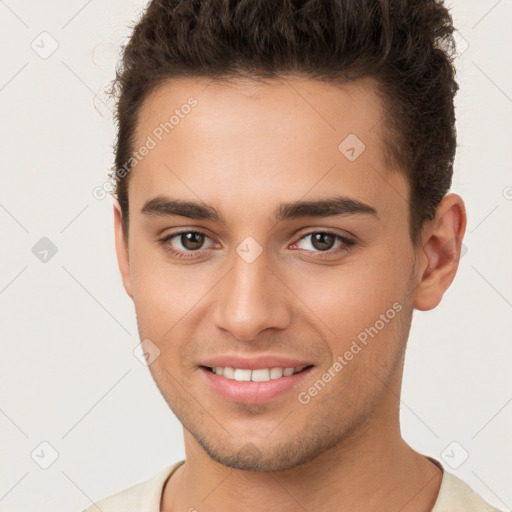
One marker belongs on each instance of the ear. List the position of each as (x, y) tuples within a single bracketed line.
[(123, 260), (439, 255)]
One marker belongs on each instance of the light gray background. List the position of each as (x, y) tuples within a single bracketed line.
[(68, 375)]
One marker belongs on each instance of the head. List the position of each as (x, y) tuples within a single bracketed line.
[(291, 200)]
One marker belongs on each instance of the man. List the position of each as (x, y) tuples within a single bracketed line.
[(282, 174)]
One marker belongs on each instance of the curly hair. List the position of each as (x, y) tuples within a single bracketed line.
[(405, 46)]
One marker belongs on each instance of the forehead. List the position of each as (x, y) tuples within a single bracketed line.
[(284, 106), (242, 142)]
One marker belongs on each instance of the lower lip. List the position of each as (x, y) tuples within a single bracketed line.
[(249, 392)]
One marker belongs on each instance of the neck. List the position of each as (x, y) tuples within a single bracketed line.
[(396, 478)]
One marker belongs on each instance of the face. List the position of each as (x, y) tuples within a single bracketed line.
[(296, 247)]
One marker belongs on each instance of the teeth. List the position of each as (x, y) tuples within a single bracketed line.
[(259, 375), (276, 373), (242, 375), (228, 372)]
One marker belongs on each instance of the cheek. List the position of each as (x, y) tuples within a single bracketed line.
[(356, 291), (165, 293), (351, 298)]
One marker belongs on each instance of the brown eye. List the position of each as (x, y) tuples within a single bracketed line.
[(322, 241), (192, 241), (187, 244)]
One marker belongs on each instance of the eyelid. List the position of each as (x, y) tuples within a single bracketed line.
[(346, 242), (333, 231), (166, 238)]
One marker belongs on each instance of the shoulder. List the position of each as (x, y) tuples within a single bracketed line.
[(142, 497), (455, 495)]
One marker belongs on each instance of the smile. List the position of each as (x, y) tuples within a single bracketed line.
[(253, 386)]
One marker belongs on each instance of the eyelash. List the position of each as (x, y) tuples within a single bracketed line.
[(348, 243)]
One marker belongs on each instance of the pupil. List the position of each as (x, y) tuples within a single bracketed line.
[(319, 241), (192, 241)]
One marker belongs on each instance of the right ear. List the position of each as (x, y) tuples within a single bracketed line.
[(123, 259)]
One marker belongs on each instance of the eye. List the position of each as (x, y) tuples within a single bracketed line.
[(187, 244), (325, 241)]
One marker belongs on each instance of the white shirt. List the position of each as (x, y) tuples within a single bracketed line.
[(454, 495)]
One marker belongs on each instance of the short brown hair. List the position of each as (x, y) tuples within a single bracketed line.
[(405, 46)]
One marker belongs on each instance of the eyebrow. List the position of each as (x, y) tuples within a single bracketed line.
[(163, 206)]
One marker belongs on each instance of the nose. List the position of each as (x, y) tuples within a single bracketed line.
[(251, 299)]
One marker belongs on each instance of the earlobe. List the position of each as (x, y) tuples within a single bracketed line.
[(442, 243), (122, 253)]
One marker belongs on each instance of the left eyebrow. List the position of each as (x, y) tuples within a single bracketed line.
[(166, 207), (328, 207)]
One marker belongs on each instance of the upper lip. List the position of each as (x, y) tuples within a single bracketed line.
[(254, 362)]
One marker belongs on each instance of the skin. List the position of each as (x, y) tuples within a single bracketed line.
[(244, 149)]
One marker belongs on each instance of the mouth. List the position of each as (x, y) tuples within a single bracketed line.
[(253, 386)]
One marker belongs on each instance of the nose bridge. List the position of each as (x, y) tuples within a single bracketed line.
[(250, 299)]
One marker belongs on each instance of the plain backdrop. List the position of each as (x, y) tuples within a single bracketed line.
[(74, 396)]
